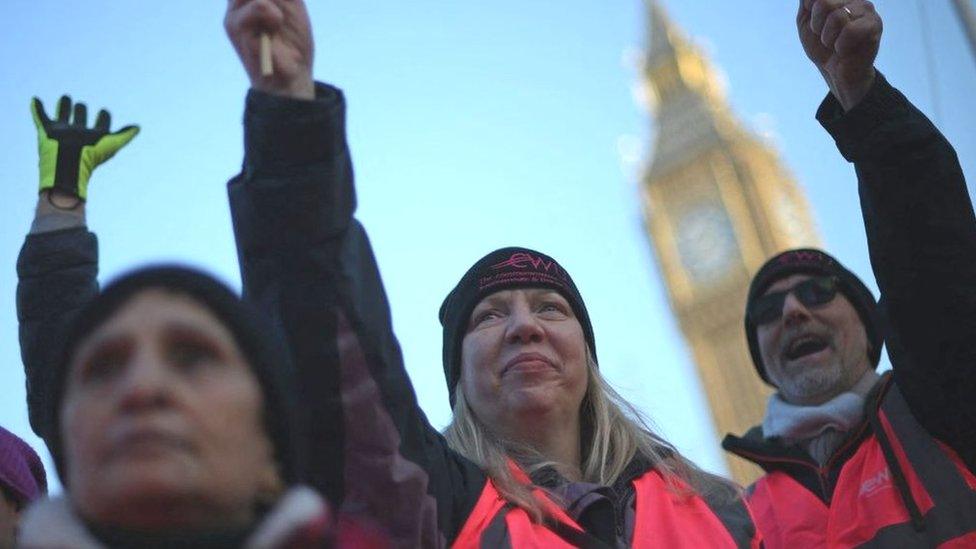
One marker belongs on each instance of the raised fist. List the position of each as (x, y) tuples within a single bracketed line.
[(286, 24), (841, 37)]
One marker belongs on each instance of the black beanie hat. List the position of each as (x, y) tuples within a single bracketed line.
[(256, 338), (813, 261), (500, 270)]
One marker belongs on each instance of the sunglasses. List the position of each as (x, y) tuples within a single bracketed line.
[(813, 292)]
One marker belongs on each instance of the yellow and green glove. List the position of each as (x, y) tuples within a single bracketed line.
[(69, 150)]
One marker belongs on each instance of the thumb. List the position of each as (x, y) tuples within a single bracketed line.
[(127, 132), (110, 144)]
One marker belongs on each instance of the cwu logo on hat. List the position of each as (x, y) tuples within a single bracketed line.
[(523, 267), (523, 260), (804, 257)]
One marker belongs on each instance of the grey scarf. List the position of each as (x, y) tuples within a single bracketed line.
[(818, 429)]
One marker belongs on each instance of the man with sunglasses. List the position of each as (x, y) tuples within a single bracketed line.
[(814, 334), (854, 459)]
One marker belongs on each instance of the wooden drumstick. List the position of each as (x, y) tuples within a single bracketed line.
[(267, 68)]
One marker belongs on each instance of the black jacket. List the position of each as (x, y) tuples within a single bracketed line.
[(308, 264), (57, 275), (922, 240)]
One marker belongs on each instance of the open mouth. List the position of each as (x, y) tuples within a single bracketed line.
[(805, 345)]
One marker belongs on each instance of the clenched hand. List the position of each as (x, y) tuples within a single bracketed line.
[(286, 23)]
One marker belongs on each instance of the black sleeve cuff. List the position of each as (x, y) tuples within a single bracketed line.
[(282, 132), (57, 251), (851, 130)]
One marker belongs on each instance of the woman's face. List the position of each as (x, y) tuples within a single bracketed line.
[(523, 357), (162, 414)]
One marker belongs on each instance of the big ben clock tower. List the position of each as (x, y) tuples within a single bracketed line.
[(717, 203)]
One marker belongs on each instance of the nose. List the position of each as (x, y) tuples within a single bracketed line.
[(146, 385), (794, 312), (523, 327)]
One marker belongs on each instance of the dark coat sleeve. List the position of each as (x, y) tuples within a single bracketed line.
[(922, 240), (57, 274), (308, 264)]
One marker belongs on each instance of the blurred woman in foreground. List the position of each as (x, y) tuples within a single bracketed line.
[(173, 426)]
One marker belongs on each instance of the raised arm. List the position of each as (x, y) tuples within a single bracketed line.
[(58, 262), (308, 263), (918, 217)]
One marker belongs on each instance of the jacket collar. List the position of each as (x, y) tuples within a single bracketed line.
[(774, 455), (53, 523), (769, 453)]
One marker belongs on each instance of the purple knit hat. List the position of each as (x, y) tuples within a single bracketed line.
[(21, 471)]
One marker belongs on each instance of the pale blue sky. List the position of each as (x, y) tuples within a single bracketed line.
[(473, 126)]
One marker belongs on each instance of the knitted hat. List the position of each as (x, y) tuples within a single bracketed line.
[(255, 337), (500, 270), (812, 261), (21, 471)]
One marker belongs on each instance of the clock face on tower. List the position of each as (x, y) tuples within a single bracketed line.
[(706, 241), (790, 216)]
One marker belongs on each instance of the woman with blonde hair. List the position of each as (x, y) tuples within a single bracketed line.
[(561, 448)]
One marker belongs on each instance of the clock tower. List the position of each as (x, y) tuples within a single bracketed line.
[(717, 203)]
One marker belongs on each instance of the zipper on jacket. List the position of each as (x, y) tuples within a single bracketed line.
[(824, 471)]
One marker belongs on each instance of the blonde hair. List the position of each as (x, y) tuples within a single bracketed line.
[(613, 433)]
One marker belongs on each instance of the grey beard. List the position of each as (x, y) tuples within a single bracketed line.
[(813, 382)]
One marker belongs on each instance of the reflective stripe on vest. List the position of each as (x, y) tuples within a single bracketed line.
[(951, 520), (663, 518), (868, 505)]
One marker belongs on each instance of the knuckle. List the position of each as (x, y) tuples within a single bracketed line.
[(837, 18), (826, 6), (264, 8)]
